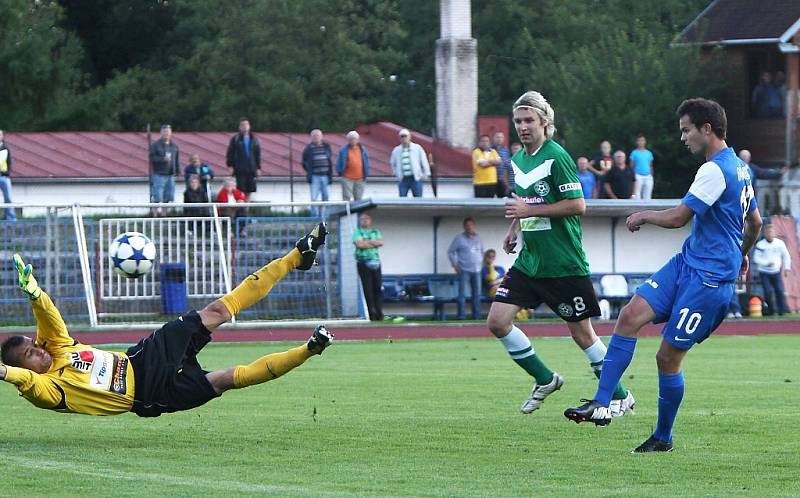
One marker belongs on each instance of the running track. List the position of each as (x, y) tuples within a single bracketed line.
[(417, 331)]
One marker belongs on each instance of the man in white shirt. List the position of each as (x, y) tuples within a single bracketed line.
[(770, 257), (410, 165)]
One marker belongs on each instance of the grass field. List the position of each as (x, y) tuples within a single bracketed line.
[(428, 418)]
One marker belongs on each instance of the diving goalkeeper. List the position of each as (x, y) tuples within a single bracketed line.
[(161, 373)]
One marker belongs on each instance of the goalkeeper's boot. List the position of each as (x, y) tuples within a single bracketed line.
[(27, 282), (320, 339), (591, 411), (652, 444), (309, 244), (620, 407), (540, 392)]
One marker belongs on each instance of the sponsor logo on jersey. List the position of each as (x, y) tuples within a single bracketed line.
[(565, 310), (541, 187), (109, 372), (569, 186), (82, 360), (652, 283), (533, 200)]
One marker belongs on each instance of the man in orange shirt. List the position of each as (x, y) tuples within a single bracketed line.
[(353, 167)]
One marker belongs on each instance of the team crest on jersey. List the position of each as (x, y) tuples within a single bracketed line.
[(541, 187), (565, 310)]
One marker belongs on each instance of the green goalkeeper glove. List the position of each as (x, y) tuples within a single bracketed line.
[(27, 282)]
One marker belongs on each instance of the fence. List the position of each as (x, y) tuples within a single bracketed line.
[(68, 248)]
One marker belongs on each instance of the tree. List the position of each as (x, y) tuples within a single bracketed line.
[(40, 62)]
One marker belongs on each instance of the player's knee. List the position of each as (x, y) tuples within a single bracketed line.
[(215, 312), (498, 325), (667, 362), (628, 320)]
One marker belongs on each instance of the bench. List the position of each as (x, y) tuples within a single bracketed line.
[(438, 289)]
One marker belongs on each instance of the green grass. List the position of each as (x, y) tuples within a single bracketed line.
[(428, 418)]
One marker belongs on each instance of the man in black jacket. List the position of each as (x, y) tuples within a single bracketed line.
[(244, 157), (5, 177), (318, 163)]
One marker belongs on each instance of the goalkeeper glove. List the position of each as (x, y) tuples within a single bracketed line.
[(27, 282)]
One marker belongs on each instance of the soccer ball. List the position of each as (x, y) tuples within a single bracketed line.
[(132, 254)]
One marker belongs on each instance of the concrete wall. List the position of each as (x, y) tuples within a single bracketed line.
[(409, 243)]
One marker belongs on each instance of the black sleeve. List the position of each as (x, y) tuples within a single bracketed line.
[(229, 155), (256, 151), (307, 159)]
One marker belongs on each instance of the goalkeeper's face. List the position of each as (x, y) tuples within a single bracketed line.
[(33, 358)]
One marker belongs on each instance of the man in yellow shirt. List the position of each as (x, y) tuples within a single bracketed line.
[(484, 169), (161, 373)]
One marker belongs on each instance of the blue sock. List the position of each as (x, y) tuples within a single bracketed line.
[(670, 394), (618, 357)]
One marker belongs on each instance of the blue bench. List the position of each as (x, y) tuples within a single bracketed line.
[(435, 288)]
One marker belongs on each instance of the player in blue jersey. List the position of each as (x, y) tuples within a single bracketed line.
[(692, 291)]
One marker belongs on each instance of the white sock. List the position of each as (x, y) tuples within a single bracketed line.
[(595, 354), (517, 344)]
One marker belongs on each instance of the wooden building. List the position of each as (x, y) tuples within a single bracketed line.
[(760, 43)]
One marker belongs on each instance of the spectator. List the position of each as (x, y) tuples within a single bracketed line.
[(164, 165), (5, 177), (766, 98), (367, 241), (491, 274), (620, 178), (773, 262), (504, 173), (318, 163), (780, 86), (244, 158), (353, 167), (642, 160), (231, 195), (484, 168), (515, 147), (587, 178), (466, 256), (195, 193), (759, 173), (202, 170), (410, 165), (600, 165)]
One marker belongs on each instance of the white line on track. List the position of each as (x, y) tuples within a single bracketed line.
[(184, 482)]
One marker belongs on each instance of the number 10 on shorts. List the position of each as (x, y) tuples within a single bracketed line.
[(692, 322)]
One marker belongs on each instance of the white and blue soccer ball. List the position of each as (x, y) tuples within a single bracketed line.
[(132, 254)]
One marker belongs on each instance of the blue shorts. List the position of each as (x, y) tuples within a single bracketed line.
[(691, 304)]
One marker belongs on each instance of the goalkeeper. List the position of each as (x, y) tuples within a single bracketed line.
[(161, 373)]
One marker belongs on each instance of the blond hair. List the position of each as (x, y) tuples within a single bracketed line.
[(537, 103)]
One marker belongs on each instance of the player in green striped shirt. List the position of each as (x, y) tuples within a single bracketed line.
[(551, 267)]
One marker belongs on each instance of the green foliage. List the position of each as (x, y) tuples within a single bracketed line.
[(40, 63), (428, 419)]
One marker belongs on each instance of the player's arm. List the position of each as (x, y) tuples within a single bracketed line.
[(752, 227), (41, 391), (676, 217), (706, 189), (50, 327)]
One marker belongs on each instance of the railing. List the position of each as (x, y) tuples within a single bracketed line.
[(68, 247)]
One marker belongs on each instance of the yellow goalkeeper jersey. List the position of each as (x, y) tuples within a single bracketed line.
[(82, 379)]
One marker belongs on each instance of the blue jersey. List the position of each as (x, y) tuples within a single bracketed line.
[(721, 197)]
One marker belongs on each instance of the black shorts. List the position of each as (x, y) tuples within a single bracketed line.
[(167, 376), (246, 183), (485, 191), (571, 298)]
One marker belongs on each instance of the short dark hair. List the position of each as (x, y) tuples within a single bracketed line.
[(702, 111), (640, 135), (484, 135), (8, 351), (467, 219)]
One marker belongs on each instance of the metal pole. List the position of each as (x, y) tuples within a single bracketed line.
[(149, 164), (291, 171)]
